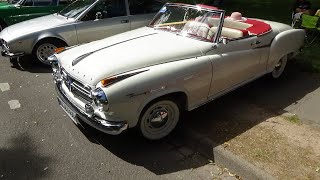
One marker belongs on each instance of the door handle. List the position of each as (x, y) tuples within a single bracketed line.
[(255, 43), (125, 21)]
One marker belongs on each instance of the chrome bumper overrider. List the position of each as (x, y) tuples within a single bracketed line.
[(105, 126)]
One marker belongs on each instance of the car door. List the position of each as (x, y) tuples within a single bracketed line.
[(235, 63), (35, 8), (106, 18), (142, 11)]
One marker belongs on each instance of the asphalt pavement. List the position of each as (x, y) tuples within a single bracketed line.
[(38, 140)]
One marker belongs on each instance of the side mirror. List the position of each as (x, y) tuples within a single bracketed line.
[(98, 15)]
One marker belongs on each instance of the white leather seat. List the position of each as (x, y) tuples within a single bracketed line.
[(226, 32), (196, 28), (214, 22)]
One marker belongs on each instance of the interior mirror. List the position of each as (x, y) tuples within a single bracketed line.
[(98, 15)]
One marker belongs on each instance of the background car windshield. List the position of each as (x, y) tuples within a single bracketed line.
[(190, 21), (15, 1), (76, 8)]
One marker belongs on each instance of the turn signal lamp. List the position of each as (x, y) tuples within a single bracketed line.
[(108, 81), (59, 50)]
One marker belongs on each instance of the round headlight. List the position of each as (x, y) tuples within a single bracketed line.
[(99, 95), (100, 99)]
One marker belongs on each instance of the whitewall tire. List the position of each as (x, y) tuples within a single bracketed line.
[(279, 67), (159, 119)]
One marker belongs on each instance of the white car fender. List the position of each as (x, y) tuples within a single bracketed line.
[(284, 43)]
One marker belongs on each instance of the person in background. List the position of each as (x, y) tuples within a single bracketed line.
[(302, 6)]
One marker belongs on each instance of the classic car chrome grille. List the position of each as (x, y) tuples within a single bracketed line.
[(77, 88), (80, 90)]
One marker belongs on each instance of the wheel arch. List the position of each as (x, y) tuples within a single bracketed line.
[(285, 43), (48, 38)]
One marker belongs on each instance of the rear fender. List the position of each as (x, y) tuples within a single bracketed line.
[(286, 42)]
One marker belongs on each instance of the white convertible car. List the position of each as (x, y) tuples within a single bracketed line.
[(187, 56)]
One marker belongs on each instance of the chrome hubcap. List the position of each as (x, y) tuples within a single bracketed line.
[(159, 119), (44, 51)]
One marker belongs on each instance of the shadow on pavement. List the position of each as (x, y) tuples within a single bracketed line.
[(160, 157), (220, 120), (26, 63), (235, 113), (19, 160)]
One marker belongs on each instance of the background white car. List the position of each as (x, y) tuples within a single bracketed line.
[(186, 57), (81, 22)]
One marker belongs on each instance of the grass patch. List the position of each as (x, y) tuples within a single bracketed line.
[(293, 119)]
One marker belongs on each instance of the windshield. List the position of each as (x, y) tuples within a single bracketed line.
[(187, 20), (76, 8)]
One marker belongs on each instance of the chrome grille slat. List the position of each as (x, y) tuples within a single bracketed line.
[(77, 88), (80, 88)]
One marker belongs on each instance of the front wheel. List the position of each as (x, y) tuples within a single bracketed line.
[(159, 119), (279, 67), (46, 48)]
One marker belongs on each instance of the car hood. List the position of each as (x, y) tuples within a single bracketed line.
[(128, 51), (37, 24)]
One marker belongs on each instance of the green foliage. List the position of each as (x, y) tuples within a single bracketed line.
[(293, 119)]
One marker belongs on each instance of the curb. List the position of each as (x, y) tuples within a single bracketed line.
[(225, 158)]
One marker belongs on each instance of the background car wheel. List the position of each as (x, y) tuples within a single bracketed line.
[(45, 48), (279, 68), (159, 119)]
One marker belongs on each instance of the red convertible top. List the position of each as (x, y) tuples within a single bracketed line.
[(258, 27)]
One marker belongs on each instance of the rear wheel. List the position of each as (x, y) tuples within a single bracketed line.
[(279, 67), (45, 48), (159, 119)]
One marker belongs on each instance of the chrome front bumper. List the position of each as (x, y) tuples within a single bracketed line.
[(5, 50), (108, 127), (11, 55)]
